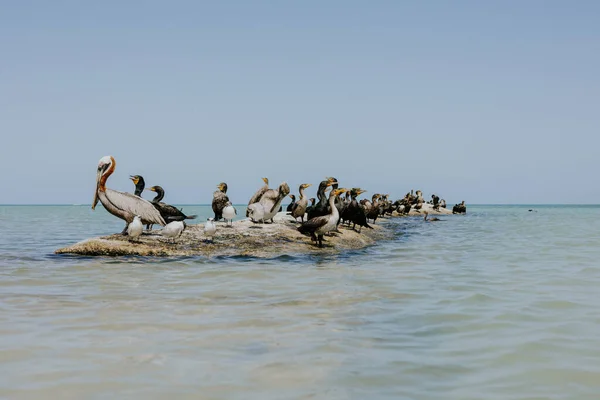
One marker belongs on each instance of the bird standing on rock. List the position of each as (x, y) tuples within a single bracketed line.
[(259, 193), (173, 229), (229, 213), (135, 228), (220, 200), (319, 226), (210, 228)]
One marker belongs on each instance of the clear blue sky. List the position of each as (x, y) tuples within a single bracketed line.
[(490, 102)]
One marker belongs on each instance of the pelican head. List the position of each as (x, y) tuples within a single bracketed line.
[(106, 166)]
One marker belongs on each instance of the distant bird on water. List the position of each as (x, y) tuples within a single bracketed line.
[(122, 205), (135, 228)]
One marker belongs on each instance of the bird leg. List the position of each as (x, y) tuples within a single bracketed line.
[(320, 240), (124, 231)]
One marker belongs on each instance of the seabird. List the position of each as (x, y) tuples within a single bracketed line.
[(167, 211), (256, 212), (430, 220), (135, 228), (319, 226), (210, 228), (229, 212), (139, 183), (320, 208), (173, 229), (220, 200), (299, 208), (259, 193), (122, 205), (271, 200), (355, 212)]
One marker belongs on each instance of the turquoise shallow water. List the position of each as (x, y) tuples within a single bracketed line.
[(499, 304)]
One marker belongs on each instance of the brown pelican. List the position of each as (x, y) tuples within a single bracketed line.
[(271, 200), (318, 226), (122, 205), (259, 193), (220, 200)]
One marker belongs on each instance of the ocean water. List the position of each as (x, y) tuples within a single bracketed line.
[(501, 303)]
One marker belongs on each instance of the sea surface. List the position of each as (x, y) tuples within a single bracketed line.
[(501, 303)]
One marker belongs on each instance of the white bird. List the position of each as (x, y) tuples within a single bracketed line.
[(256, 212), (173, 229), (210, 228), (229, 212), (135, 228)]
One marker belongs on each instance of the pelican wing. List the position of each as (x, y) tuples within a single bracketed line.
[(135, 205), (257, 196)]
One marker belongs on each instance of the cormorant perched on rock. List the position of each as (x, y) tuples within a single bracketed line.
[(320, 208), (312, 204), (139, 183), (373, 213), (259, 193), (167, 211), (355, 212), (320, 225), (220, 200), (271, 200), (291, 205), (436, 201), (299, 207)]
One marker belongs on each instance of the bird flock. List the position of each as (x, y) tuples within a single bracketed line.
[(317, 216)]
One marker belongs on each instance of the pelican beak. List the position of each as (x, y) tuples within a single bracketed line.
[(98, 177)]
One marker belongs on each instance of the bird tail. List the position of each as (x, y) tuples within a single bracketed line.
[(191, 217)]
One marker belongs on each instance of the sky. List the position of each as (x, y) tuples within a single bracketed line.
[(487, 102)]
